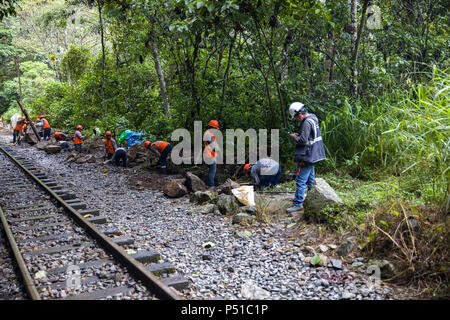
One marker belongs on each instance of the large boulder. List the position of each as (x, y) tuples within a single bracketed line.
[(194, 183), (174, 189), (319, 197), (227, 186), (31, 138), (226, 204), (41, 145), (52, 148)]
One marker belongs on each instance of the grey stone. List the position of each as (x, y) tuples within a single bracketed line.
[(174, 189), (200, 197), (194, 183), (336, 263), (226, 204), (208, 208), (240, 217), (320, 196), (227, 186), (248, 209), (387, 269)]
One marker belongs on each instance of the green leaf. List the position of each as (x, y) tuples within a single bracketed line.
[(247, 233), (315, 260)]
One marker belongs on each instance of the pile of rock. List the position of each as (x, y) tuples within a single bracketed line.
[(175, 188), (82, 158)]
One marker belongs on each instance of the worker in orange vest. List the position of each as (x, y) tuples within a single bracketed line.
[(162, 149), (110, 145), (78, 138), (61, 138), (46, 127), (211, 149), (18, 129)]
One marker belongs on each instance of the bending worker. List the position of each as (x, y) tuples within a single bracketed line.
[(162, 149), (119, 154), (78, 138), (110, 145), (308, 150), (211, 149), (61, 138), (18, 129), (265, 172)]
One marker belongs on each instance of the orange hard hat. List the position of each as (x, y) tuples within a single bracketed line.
[(108, 133), (147, 143), (247, 168), (79, 127), (214, 124)]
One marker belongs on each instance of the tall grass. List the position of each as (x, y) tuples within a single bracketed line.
[(406, 133)]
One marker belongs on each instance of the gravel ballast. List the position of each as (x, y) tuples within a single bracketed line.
[(258, 264)]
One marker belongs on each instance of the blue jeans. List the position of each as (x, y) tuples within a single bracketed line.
[(266, 180), (16, 135), (77, 147), (120, 154), (163, 159), (305, 177), (47, 133), (212, 174)]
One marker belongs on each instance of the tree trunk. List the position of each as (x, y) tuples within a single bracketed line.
[(328, 64), (353, 34), (356, 47), (162, 81), (100, 4), (225, 77)]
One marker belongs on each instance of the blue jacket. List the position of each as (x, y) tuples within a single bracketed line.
[(309, 145)]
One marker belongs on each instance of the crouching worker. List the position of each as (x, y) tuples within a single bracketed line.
[(61, 138), (120, 154), (110, 145), (265, 172), (78, 138), (162, 149)]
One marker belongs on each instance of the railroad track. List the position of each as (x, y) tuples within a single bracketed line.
[(61, 250)]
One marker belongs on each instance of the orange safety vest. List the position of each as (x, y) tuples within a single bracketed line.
[(209, 152), (109, 146), (76, 140), (160, 145), (59, 136), (46, 124), (19, 125)]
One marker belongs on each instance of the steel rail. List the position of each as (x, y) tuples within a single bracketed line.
[(156, 286), (27, 279)]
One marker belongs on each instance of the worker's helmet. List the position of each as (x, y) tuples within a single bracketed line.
[(147, 143), (42, 117), (247, 168), (108, 133), (214, 124), (22, 117), (295, 108), (79, 127)]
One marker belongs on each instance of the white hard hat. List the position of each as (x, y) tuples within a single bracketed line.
[(295, 108)]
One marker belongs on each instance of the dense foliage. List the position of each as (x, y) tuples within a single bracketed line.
[(375, 73)]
